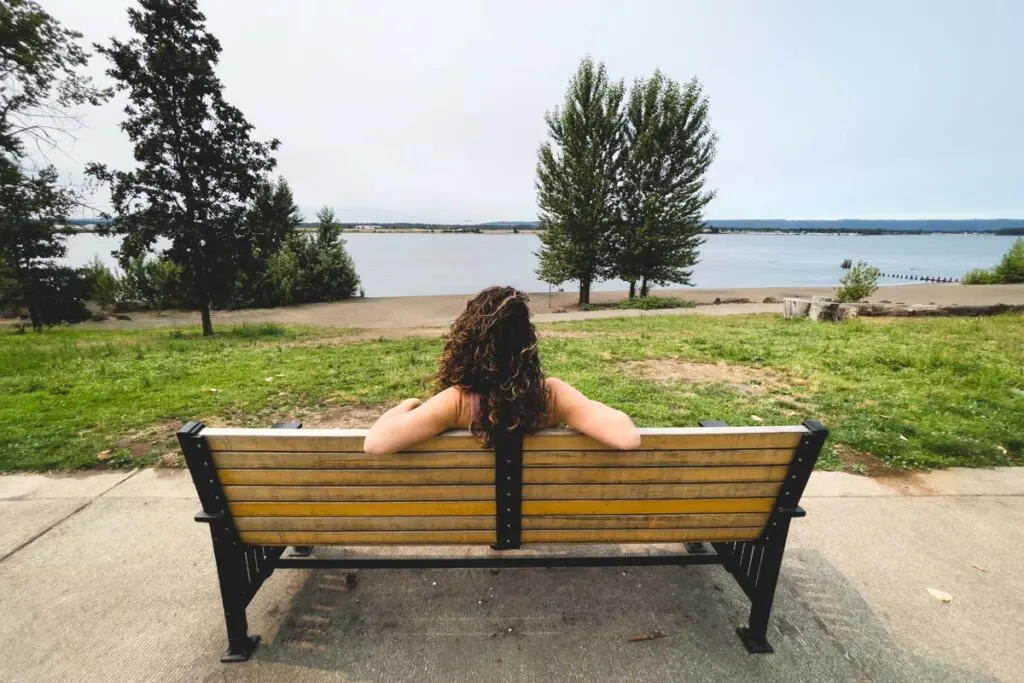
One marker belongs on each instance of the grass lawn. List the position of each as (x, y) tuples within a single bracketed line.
[(909, 393)]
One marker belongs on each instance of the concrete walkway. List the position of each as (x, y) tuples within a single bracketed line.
[(105, 577)]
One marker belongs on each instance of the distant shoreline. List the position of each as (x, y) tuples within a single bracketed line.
[(1008, 232)]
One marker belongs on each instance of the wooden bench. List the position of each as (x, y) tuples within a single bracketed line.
[(263, 490)]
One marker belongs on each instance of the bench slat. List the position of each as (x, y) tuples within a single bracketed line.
[(386, 509), (361, 477), (543, 475), (639, 535), (597, 458), (340, 440), (530, 492), (358, 493), (464, 523), (691, 521), (648, 491), (368, 537), (645, 507), (488, 537), (530, 507)]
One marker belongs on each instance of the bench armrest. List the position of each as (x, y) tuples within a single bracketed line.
[(208, 517)]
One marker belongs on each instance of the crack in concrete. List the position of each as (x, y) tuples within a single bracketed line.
[(68, 516)]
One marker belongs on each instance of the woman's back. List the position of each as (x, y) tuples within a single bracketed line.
[(492, 384)]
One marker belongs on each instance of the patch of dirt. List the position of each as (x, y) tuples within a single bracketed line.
[(740, 378), (140, 443), (353, 416), (866, 464), (365, 335)]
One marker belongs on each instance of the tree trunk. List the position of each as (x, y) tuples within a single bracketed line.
[(33, 315), (644, 289), (204, 311), (632, 289), (584, 292)]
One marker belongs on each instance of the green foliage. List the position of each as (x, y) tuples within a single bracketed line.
[(668, 147), (981, 276), (651, 303), (928, 392), (1010, 269), (318, 268), (103, 284), (39, 63), (860, 282), (152, 280), (39, 84), (198, 167), (272, 219), (576, 173)]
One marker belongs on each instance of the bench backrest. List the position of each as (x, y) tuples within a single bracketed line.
[(318, 487)]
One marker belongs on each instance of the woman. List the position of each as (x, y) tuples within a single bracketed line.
[(492, 384)]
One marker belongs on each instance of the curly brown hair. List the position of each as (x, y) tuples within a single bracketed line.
[(490, 353)]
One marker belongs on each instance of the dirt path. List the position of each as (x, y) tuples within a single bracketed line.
[(404, 314)]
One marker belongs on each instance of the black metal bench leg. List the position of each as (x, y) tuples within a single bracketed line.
[(233, 578), (755, 634)]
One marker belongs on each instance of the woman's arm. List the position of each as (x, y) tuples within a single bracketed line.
[(412, 421), (609, 426)]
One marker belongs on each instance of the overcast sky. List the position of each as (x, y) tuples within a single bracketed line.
[(433, 111)]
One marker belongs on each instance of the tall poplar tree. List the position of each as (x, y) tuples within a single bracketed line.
[(668, 147), (576, 176)]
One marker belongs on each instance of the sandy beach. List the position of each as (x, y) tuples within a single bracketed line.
[(399, 314)]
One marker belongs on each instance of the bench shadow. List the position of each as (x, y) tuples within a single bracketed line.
[(637, 623)]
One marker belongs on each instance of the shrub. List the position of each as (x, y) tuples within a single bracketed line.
[(1010, 269), (980, 276), (155, 281), (650, 303), (860, 282), (103, 284), (65, 291)]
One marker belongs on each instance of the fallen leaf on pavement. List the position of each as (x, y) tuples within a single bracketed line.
[(940, 595), (653, 635), (980, 569)]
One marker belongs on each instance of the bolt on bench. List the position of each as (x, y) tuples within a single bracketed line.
[(263, 490)]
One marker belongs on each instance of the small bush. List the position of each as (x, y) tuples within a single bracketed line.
[(154, 280), (1010, 269), (103, 284), (860, 282), (980, 276), (258, 331), (651, 303)]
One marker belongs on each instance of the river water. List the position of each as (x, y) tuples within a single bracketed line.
[(411, 264)]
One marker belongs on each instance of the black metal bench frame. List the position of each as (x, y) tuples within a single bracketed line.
[(242, 568)]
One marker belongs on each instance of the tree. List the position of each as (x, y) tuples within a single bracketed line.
[(198, 166), (669, 146), (32, 242), (313, 267), (860, 282), (272, 215), (39, 86), (576, 175)]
